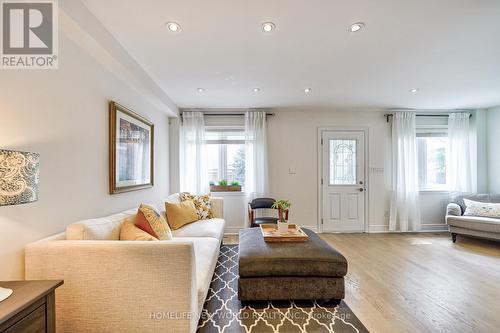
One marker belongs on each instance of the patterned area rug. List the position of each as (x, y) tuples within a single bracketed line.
[(223, 312)]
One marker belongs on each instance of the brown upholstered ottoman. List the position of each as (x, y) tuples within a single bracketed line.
[(288, 271)]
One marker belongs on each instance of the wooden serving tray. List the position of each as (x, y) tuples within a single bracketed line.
[(294, 234)]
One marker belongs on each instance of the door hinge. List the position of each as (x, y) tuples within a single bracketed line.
[(321, 181), (322, 141), (321, 220)]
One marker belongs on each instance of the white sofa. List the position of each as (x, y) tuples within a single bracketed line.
[(128, 286)]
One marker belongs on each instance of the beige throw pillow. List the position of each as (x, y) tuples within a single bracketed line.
[(156, 222), (180, 214), (129, 231)]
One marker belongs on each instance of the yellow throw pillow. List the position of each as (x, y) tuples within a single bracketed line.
[(156, 222), (202, 204), (129, 231), (180, 214)]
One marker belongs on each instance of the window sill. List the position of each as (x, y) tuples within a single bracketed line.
[(228, 194), (434, 191)]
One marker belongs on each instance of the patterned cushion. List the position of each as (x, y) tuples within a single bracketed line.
[(157, 224), (129, 231), (202, 204), (483, 209)]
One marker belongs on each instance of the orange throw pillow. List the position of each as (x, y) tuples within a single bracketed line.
[(143, 224), (150, 221), (129, 231)]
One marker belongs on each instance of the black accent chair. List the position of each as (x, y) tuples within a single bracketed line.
[(260, 203)]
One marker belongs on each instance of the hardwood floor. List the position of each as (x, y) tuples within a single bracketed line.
[(421, 282)]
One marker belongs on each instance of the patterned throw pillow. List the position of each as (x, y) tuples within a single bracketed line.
[(482, 209), (202, 204), (149, 220), (129, 231)]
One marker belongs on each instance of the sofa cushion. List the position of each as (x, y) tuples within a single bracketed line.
[(206, 252), (156, 221), (475, 223), (202, 203), (142, 223), (129, 231), (104, 228), (180, 214), (203, 228)]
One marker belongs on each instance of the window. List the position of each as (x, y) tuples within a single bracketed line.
[(432, 150), (342, 162), (226, 154)]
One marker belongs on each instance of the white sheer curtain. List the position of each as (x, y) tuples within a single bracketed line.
[(193, 159), (459, 168), (256, 173), (405, 210)]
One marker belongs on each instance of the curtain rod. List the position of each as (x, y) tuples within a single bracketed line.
[(388, 115), (231, 114), (221, 114)]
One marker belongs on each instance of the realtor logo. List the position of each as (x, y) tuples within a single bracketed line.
[(29, 35)]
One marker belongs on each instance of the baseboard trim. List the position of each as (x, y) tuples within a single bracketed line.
[(378, 228), (232, 230), (427, 227), (434, 227), (373, 229)]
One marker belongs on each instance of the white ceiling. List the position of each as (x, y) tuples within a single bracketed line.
[(449, 49)]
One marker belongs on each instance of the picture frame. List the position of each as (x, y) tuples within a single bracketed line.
[(131, 150)]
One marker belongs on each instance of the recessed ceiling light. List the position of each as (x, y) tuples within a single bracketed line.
[(268, 26), (307, 90), (414, 90), (256, 89), (172, 26), (355, 27), (201, 89)]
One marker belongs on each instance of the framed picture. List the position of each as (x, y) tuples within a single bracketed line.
[(131, 150)]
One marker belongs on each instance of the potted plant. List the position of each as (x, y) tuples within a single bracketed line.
[(283, 206), (224, 186)]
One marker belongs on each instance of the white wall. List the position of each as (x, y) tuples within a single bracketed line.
[(293, 144), (493, 139), (63, 115)]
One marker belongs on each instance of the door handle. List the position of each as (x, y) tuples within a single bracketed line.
[(361, 189)]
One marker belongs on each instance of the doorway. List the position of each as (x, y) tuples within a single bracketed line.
[(343, 180)]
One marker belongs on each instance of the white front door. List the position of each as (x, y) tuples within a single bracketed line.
[(343, 181)]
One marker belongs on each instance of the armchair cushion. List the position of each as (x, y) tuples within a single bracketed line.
[(264, 220), (484, 224)]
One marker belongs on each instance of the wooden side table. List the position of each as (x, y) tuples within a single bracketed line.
[(30, 308)]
